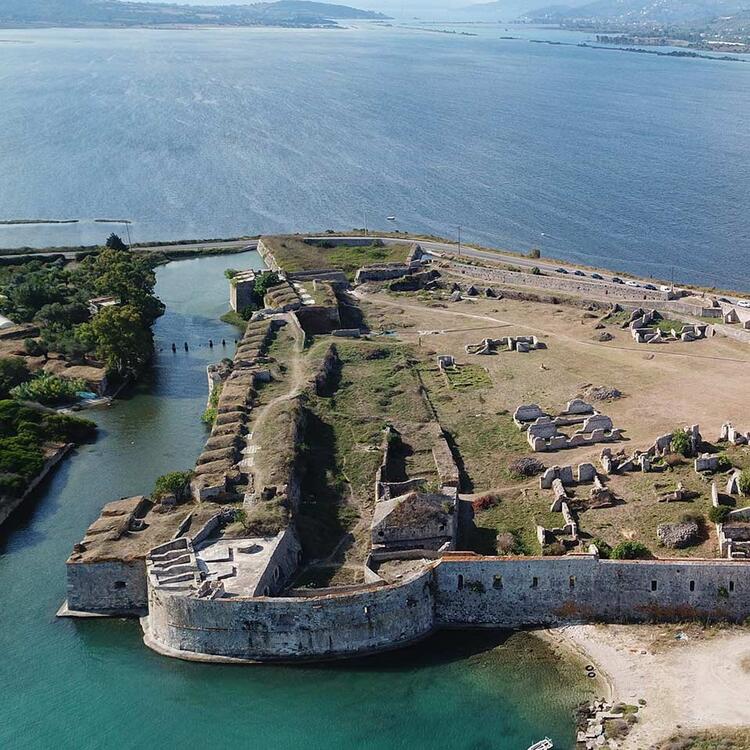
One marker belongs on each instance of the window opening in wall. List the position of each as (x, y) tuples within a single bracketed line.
[(120, 584), (572, 582), (534, 582), (460, 582), (497, 582), (692, 585), (653, 585), (731, 585)]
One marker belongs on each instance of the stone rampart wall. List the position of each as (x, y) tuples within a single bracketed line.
[(537, 591), (558, 283), (292, 628), (114, 587)]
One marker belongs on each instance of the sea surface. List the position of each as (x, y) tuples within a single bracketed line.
[(632, 161), (92, 684)]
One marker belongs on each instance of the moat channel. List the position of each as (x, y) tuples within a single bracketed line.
[(92, 684)]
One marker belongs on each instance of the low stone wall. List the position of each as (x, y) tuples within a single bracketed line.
[(262, 629), (519, 592), (558, 283), (114, 587)]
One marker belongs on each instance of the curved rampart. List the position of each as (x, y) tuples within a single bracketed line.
[(276, 628)]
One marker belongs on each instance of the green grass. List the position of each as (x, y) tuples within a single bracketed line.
[(294, 254), (234, 319), (727, 739), (667, 324), (516, 514), (468, 377)]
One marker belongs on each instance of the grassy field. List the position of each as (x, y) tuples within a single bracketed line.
[(726, 739), (518, 513), (640, 512), (342, 444), (294, 254)]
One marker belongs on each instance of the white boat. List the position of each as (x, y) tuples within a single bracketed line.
[(545, 744), (391, 218)]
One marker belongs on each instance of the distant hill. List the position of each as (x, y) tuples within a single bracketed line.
[(509, 10), (295, 13), (640, 11)]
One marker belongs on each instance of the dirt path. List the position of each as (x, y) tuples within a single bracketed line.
[(655, 350), (296, 379), (699, 681)]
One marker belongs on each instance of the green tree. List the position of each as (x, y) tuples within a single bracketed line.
[(631, 551), (119, 338), (681, 442), (13, 372), (114, 242)]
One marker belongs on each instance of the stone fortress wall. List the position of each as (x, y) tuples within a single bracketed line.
[(461, 590), (368, 620)]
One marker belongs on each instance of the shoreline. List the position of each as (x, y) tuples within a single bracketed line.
[(691, 678)]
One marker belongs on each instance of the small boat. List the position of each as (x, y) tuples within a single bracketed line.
[(545, 744), (391, 218)]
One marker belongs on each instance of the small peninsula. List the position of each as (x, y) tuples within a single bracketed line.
[(120, 13)]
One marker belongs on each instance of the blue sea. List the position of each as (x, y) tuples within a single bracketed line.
[(636, 162)]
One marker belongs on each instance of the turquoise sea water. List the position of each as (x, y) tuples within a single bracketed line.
[(93, 684), (631, 161)]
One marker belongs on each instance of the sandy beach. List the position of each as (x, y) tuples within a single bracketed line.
[(691, 678)]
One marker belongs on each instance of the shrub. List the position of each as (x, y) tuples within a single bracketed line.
[(13, 372), (507, 543), (49, 389), (605, 550), (724, 463), (535, 252), (175, 483), (556, 549), (681, 442), (744, 482), (209, 415), (526, 467), (34, 348), (630, 550), (483, 502)]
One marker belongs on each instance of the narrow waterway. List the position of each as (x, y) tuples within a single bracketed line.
[(92, 684)]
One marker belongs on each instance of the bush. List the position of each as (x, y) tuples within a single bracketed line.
[(605, 550), (49, 389), (34, 348), (526, 467), (681, 442), (631, 551), (175, 483), (535, 253), (673, 459), (718, 514), (13, 372), (744, 482), (209, 415), (556, 549), (507, 543), (483, 502), (724, 463)]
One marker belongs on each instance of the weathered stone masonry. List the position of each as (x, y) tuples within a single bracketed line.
[(461, 590), (542, 591)]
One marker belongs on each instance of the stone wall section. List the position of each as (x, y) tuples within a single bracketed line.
[(372, 619), (523, 592)]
